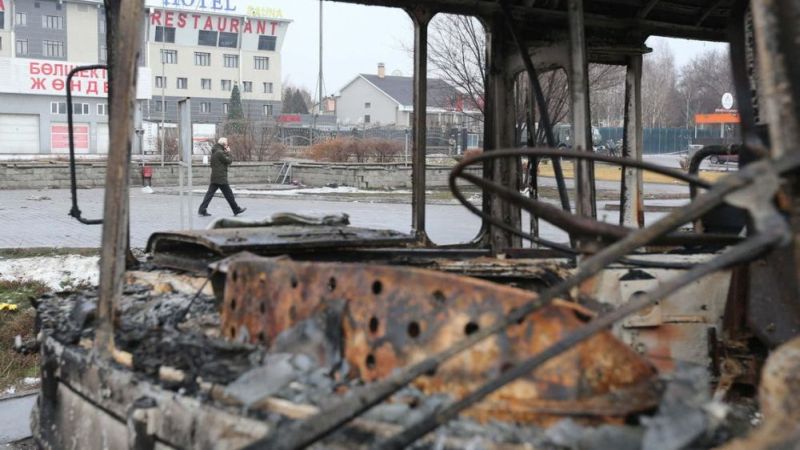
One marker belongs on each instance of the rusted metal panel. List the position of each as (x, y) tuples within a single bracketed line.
[(228, 241), (677, 328), (395, 317), (194, 250)]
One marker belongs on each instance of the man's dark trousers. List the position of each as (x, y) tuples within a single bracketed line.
[(226, 191)]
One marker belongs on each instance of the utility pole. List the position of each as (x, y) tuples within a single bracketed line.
[(319, 78), (163, 87)]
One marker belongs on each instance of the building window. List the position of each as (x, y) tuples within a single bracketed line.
[(202, 59), (53, 49), (1, 42), (22, 47), (80, 109), (2, 20), (205, 84), (165, 34), (205, 107), (367, 105), (261, 63), (58, 107), (101, 25), (183, 83), (53, 22), (169, 56), (102, 109), (366, 118), (226, 85), (225, 108), (267, 110), (208, 38), (158, 106), (267, 42), (231, 61), (103, 53), (161, 82), (247, 86), (268, 88), (229, 40), (20, 19)]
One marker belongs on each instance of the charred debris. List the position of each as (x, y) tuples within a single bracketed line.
[(300, 332)]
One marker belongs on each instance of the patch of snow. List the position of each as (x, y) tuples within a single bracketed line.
[(147, 190), (29, 381), (57, 272), (317, 191), (10, 391)]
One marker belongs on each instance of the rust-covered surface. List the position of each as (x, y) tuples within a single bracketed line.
[(394, 317)]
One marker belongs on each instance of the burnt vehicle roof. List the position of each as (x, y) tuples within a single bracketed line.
[(604, 19)]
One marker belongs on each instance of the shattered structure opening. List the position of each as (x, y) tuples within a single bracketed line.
[(297, 332)]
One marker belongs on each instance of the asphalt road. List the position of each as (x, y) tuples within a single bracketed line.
[(39, 218)]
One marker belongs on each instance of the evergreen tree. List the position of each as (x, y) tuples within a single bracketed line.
[(288, 100), (236, 123), (235, 111), (298, 103)]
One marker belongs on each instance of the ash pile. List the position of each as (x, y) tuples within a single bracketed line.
[(288, 343)]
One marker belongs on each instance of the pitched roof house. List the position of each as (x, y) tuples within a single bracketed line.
[(380, 99)]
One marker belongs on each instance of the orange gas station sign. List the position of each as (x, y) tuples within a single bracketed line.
[(715, 118)]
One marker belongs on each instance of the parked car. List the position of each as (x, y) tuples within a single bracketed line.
[(722, 159)]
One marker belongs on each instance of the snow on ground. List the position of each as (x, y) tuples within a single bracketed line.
[(57, 272), (312, 191)]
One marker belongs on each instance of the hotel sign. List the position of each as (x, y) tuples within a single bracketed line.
[(230, 7)]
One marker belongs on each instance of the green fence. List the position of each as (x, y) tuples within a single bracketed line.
[(655, 140)]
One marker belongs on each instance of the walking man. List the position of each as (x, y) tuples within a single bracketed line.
[(220, 160)]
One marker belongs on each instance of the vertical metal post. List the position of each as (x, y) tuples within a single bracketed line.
[(631, 213), (581, 119), (421, 18), (499, 85), (185, 149), (124, 44)]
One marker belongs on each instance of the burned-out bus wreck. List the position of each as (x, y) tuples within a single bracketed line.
[(300, 332)]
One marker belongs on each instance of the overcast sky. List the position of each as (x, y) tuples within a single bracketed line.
[(357, 38)]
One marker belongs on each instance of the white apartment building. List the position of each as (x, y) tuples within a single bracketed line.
[(194, 48), (204, 49)]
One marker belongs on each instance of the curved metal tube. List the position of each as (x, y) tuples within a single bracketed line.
[(574, 225), (75, 211)]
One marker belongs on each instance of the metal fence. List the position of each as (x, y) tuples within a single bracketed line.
[(655, 140)]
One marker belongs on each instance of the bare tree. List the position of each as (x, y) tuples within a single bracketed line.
[(660, 99), (703, 81), (457, 55)]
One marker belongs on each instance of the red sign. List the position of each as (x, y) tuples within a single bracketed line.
[(286, 118), (59, 137), (2, 6), (175, 19)]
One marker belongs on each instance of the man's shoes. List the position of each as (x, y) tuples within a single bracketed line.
[(239, 211), (203, 213)]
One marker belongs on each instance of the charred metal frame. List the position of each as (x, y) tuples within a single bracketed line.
[(753, 188), (76, 211), (124, 20)]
